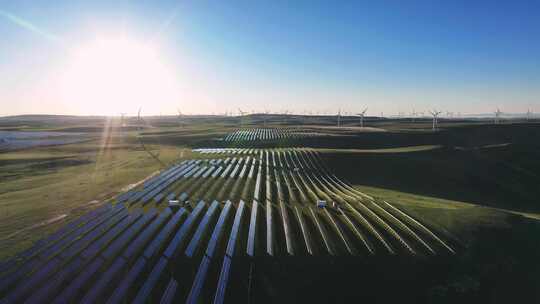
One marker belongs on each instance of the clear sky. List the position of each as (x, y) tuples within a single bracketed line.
[(107, 57)]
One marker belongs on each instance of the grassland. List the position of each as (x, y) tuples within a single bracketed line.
[(499, 169), (482, 165), (61, 183), (42, 188), (474, 183)]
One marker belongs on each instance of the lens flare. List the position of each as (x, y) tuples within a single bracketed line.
[(113, 75)]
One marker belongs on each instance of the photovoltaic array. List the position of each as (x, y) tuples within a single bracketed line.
[(179, 235)]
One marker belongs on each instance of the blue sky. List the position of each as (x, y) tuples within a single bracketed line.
[(318, 56)]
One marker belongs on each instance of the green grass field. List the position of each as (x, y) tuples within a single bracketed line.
[(481, 165), (42, 188), (474, 184), (499, 172)]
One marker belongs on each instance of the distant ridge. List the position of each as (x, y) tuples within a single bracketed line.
[(35, 117), (47, 116)]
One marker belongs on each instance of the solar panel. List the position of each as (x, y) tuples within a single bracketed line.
[(194, 244), (111, 274), (138, 244), (218, 230), (72, 290), (120, 293), (54, 283), (252, 235), (170, 291), (151, 281), (181, 235)]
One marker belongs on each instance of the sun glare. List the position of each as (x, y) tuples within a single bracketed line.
[(113, 75)]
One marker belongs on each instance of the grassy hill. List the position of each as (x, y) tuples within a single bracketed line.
[(484, 176), (450, 179)]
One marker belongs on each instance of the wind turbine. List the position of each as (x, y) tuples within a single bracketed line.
[(304, 117), (241, 114), (139, 118), (180, 118), (498, 116), (122, 121), (361, 114), (529, 114), (435, 115), (413, 114), (154, 155), (266, 112), (339, 118)]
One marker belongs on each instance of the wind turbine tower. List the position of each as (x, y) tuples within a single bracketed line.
[(180, 118), (413, 114), (498, 116), (266, 112), (241, 114), (122, 121), (361, 114), (435, 115), (339, 118), (529, 114)]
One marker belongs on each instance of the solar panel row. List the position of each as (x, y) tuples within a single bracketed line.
[(264, 203)]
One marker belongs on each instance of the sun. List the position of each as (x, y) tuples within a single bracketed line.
[(111, 75)]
